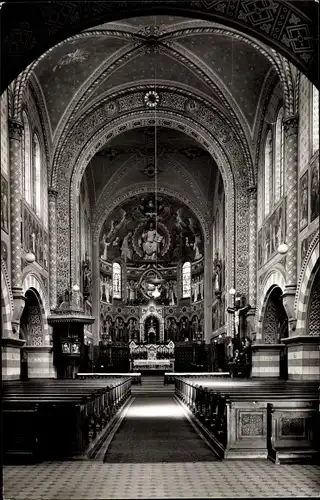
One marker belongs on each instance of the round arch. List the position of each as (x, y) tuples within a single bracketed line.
[(59, 21), (144, 118), (6, 307), (32, 282), (308, 272), (32, 319), (274, 320), (275, 278)]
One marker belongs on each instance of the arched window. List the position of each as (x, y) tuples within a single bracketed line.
[(37, 176), (279, 157), (116, 280), (268, 174), (186, 280), (26, 155), (315, 120)]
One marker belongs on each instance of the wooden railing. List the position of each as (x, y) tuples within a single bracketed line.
[(135, 377), (276, 420), (169, 378)]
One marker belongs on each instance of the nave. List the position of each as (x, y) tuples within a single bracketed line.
[(156, 448), (160, 251)]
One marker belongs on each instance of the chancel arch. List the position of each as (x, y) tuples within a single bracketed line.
[(202, 135)]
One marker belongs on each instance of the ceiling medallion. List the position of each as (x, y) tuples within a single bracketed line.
[(151, 99)]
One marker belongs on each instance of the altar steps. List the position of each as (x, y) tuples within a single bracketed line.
[(152, 384)]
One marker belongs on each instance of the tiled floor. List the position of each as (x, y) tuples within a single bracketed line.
[(89, 480)]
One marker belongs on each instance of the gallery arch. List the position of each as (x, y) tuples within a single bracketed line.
[(275, 321), (313, 313)]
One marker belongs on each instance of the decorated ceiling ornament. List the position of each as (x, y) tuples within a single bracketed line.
[(151, 99), (192, 106)]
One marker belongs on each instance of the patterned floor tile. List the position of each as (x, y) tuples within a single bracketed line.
[(89, 480)]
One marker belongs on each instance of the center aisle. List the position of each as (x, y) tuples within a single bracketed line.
[(155, 429)]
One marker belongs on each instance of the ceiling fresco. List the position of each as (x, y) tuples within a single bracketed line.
[(62, 72), (239, 66), (144, 67), (151, 229)]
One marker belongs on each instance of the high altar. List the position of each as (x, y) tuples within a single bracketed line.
[(151, 353)]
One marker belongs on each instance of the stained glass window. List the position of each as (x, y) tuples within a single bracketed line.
[(268, 174), (26, 154), (186, 280), (279, 170), (116, 280), (37, 176)]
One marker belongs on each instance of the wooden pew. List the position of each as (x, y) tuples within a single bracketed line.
[(256, 419), (56, 418), (135, 377), (169, 377)]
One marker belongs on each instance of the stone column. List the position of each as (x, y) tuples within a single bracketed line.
[(52, 198), (291, 185), (96, 292), (252, 249), (207, 287), (16, 176)]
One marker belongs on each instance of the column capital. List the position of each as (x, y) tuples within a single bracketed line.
[(52, 193), (15, 129), (291, 125)]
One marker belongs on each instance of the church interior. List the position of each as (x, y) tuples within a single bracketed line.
[(160, 275)]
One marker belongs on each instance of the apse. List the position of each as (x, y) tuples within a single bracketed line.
[(151, 258)]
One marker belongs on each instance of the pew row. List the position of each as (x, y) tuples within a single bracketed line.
[(135, 377), (169, 377), (58, 419), (278, 420)]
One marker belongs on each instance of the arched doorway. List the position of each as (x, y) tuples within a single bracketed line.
[(31, 329), (275, 321), (275, 326), (313, 326)]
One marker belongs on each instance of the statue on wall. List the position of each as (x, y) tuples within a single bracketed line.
[(132, 331), (126, 249), (172, 292), (217, 274), (87, 277)]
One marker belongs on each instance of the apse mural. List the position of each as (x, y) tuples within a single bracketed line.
[(147, 229)]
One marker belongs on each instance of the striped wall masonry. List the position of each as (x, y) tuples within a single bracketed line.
[(304, 362), (10, 363), (265, 361)]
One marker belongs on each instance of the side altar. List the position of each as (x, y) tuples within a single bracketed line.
[(152, 356)]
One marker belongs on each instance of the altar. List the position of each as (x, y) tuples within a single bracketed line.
[(158, 357), (153, 364)]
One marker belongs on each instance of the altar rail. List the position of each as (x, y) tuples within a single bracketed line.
[(169, 378), (135, 377), (278, 420)]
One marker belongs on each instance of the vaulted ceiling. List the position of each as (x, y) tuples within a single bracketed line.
[(198, 56)]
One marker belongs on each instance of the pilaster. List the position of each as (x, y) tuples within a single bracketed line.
[(207, 300), (291, 186), (16, 176), (252, 271), (52, 199)]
